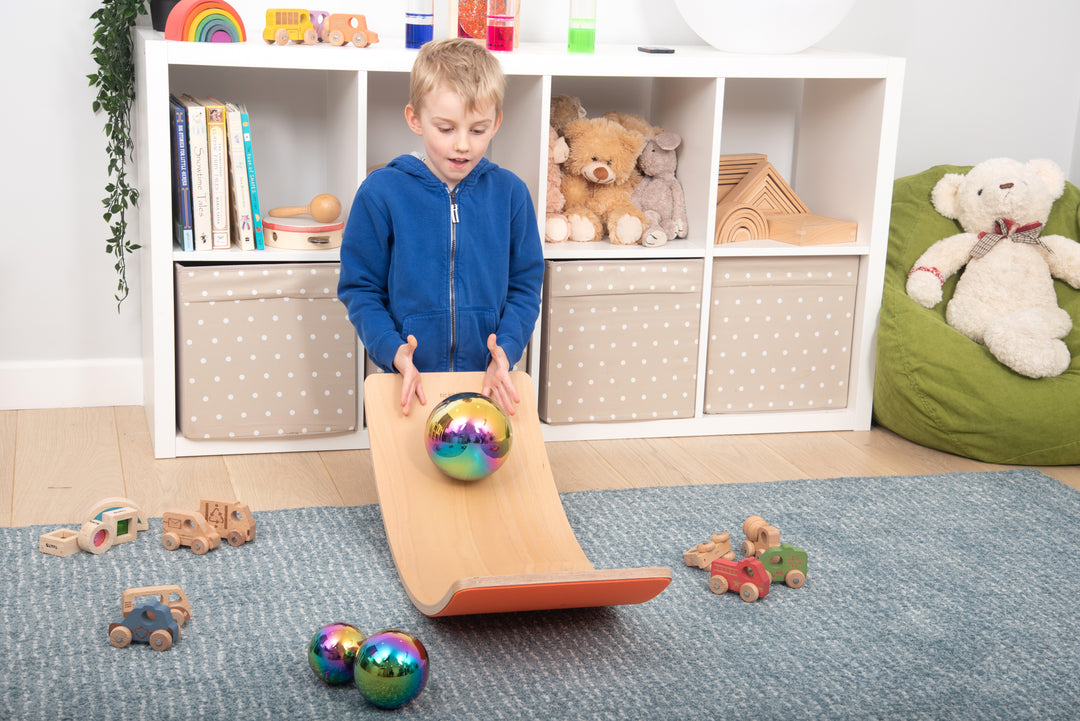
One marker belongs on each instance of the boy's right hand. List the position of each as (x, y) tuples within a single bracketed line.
[(410, 377)]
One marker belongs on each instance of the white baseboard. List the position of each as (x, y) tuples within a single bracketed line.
[(71, 384)]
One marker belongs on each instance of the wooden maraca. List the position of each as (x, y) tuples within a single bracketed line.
[(324, 208)]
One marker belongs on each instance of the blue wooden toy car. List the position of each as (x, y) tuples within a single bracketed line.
[(151, 623)]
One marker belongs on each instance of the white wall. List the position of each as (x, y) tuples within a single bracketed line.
[(984, 78)]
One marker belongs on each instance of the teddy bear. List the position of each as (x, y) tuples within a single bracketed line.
[(657, 192), (597, 181), (564, 109), (1005, 297), (556, 224)]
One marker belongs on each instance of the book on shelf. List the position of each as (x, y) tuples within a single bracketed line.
[(199, 171), (217, 154), (253, 188), (183, 230), (242, 223)]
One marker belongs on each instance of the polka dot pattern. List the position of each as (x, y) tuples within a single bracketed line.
[(621, 340), (263, 351), (780, 334)]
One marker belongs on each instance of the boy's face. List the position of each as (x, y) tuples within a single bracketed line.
[(454, 140)]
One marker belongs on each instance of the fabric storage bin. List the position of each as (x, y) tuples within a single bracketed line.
[(621, 340), (780, 333), (263, 350)]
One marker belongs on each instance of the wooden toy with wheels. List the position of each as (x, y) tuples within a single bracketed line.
[(498, 544), (759, 536)]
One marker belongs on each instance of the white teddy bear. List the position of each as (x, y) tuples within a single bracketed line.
[(1005, 297)]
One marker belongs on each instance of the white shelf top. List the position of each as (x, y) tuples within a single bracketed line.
[(535, 59)]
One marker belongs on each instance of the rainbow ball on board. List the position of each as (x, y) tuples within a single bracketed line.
[(468, 436), (391, 668), (332, 652)]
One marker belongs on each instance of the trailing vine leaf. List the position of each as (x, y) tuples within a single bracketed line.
[(115, 81)]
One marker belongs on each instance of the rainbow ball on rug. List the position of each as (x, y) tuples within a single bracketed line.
[(468, 436), (391, 668), (332, 652)]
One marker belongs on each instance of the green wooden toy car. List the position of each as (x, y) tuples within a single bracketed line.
[(785, 563)]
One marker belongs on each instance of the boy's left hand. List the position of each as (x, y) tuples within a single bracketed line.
[(497, 382)]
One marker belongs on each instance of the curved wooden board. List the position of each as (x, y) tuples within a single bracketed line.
[(499, 544)]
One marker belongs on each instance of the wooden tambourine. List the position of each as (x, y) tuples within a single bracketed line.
[(301, 234)]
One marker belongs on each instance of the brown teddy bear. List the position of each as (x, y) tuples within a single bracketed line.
[(564, 109), (598, 181), (556, 225)]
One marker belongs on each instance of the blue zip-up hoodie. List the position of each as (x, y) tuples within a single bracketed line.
[(447, 266)]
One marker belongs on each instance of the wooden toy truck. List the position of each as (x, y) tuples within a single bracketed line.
[(703, 554), (340, 28), (747, 577), (760, 536), (285, 24), (188, 528), (172, 597), (785, 563), (231, 519)]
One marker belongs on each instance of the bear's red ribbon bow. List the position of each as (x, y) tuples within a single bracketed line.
[(1012, 230)]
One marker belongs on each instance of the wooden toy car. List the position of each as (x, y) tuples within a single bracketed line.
[(150, 623), (172, 597), (747, 577), (231, 519), (759, 536), (785, 563), (340, 28), (703, 554), (187, 528), (285, 24)]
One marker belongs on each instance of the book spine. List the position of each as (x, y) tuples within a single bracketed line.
[(198, 162), (242, 225), (183, 232), (219, 174), (249, 155)]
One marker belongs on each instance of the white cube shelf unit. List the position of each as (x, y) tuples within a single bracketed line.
[(321, 116)]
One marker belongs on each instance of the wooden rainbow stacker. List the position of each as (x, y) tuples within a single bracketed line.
[(499, 544)]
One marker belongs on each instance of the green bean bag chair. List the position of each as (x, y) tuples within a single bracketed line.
[(938, 388)]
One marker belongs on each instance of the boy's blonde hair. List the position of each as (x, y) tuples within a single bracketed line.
[(462, 65)]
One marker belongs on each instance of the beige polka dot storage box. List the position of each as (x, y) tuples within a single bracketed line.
[(263, 351), (621, 340), (780, 333)]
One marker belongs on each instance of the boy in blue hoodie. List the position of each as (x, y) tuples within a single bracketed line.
[(441, 261)]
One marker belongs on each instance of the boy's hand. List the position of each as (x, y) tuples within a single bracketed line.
[(497, 383), (410, 377)]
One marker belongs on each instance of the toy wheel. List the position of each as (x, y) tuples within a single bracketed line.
[(119, 636), (236, 538), (747, 549), (199, 546), (180, 616), (718, 584), (160, 640), (337, 38), (795, 578), (310, 36), (281, 36), (171, 541), (359, 39), (749, 592)]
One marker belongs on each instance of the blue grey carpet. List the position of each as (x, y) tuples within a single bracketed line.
[(928, 597)]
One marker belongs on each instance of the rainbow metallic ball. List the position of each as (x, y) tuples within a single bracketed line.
[(468, 436), (332, 652), (391, 668)]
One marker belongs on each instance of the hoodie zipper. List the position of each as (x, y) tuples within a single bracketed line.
[(453, 255)]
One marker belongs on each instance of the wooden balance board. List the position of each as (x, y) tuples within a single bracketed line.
[(499, 544)]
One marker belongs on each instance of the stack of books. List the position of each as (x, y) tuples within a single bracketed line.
[(215, 197)]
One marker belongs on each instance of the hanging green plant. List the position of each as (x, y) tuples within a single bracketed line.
[(115, 81)]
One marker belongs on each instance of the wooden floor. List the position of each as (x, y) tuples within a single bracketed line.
[(55, 464)]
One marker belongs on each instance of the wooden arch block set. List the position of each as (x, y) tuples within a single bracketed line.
[(754, 202), (499, 544)]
